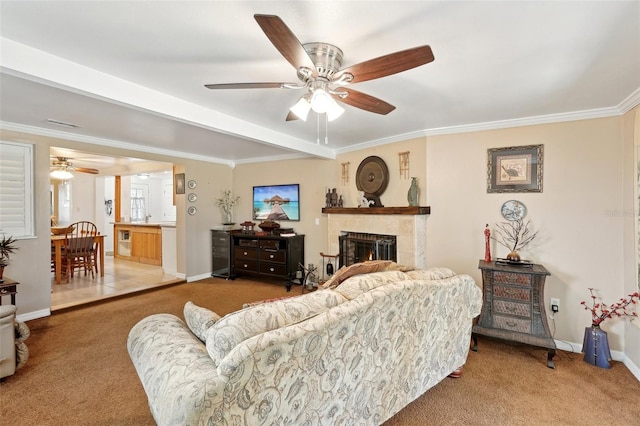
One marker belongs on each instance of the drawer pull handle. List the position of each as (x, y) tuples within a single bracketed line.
[(271, 256), (245, 266), (245, 253), (271, 269), (510, 308), (511, 324)]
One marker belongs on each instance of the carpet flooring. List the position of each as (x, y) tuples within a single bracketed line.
[(79, 372)]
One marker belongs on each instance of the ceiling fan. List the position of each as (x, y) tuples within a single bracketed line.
[(318, 68), (61, 168)]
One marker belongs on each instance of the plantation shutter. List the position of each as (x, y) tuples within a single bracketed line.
[(16, 189)]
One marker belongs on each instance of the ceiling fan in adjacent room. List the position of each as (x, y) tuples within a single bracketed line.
[(318, 68), (61, 168)]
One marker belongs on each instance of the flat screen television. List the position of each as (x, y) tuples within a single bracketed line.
[(276, 202)]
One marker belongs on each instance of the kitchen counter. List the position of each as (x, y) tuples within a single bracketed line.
[(139, 241)]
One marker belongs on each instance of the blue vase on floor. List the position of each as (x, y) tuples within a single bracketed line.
[(595, 346)]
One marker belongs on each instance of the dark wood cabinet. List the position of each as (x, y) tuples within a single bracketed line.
[(513, 306), (221, 253), (270, 256)]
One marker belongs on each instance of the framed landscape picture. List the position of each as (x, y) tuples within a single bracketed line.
[(515, 169)]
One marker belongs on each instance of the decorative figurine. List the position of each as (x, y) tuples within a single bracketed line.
[(340, 201), (487, 248), (364, 201), (334, 198)]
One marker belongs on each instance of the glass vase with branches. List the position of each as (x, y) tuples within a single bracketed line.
[(226, 203)]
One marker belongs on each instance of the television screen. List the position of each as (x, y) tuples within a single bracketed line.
[(276, 202)]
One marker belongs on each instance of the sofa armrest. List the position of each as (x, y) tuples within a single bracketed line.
[(177, 373)]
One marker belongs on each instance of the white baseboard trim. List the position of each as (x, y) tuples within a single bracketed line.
[(199, 277), (34, 315), (632, 367), (616, 355), (577, 348)]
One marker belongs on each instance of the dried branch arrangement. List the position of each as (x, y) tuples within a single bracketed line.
[(515, 234)]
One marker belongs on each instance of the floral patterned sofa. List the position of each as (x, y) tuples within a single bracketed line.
[(354, 352)]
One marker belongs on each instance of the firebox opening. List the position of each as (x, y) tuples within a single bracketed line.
[(358, 247)]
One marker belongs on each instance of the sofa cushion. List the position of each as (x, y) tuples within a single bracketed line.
[(354, 286), (356, 269), (199, 319), (238, 326), (431, 274)]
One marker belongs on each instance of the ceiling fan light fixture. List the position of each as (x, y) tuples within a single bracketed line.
[(334, 111), (320, 101), (61, 174), (301, 108)]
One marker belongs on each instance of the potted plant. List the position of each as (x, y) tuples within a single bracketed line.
[(226, 203), (595, 344), (514, 235), (7, 248)]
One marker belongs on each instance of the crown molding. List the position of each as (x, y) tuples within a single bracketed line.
[(625, 106), (39, 131), (632, 101)]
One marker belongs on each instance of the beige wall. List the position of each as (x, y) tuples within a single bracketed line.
[(396, 193), (314, 177), (194, 245), (632, 231), (578, 214)]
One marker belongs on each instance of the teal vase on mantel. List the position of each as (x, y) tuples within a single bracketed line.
[(414, 192)]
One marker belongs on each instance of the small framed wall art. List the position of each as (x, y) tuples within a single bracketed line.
[(179, 183), (515, 169)]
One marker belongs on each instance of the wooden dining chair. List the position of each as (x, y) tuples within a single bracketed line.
[(79, 249)]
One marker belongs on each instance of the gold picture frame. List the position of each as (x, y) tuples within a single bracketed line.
[(515, 169), (179, 183)]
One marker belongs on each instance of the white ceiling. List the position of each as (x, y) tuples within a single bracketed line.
[(132, 73)]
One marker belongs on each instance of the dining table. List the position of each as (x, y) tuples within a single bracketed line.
[(58, 242)]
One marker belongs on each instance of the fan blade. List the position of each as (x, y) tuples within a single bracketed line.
[(291, 116), (248, 86), (286, 42), (389, 64), (364, 101), (86, 170)]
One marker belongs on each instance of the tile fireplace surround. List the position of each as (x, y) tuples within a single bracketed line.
[(408, 224)]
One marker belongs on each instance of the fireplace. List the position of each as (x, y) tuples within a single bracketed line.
[(408, 224), (358, 247)]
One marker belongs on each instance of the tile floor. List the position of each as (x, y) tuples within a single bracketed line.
[(120, 277)]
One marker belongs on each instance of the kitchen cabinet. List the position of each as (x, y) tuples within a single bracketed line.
[(140, 243)]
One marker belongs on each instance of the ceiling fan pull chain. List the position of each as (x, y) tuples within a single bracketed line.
[(317, 129), (326, 129)]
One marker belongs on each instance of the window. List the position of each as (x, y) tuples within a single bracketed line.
[(138, 202), (16, 190)]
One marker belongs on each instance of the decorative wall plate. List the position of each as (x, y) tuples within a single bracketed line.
[(192, 197), (192, 210), (372, 176), (513, 209), (192, 184)]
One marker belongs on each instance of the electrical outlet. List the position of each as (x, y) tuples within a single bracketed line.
[(555, 305)]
